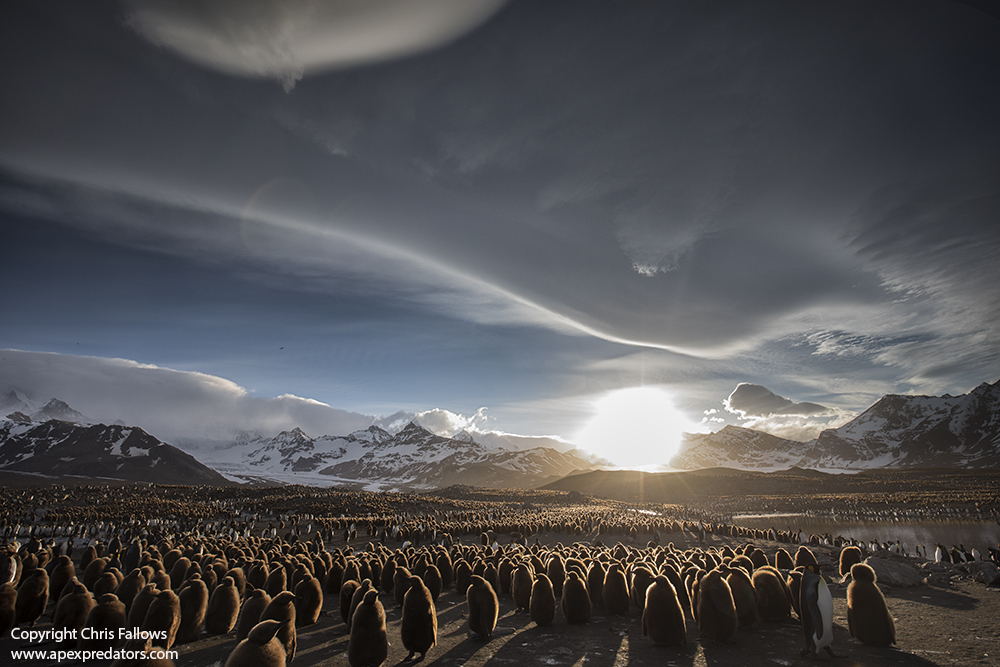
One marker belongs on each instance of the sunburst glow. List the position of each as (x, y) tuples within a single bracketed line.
[(635, 427)]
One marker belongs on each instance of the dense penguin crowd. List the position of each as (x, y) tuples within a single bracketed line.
[(261, 578)]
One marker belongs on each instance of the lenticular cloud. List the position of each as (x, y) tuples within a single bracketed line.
[(291, 38)]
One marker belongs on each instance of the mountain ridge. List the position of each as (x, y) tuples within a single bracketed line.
[(56, 448), (897, 431), (414, 457)]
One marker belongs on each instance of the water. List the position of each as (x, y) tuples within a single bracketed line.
[(971, 533)]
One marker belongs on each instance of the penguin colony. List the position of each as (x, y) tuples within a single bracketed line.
[(264, 587)]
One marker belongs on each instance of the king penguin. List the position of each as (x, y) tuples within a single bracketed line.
[(368, 645), (816, 605), (418, 627), (868, 618), (483, 608), (261, 648)]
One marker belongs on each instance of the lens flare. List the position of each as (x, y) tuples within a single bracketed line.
[(635, 427)]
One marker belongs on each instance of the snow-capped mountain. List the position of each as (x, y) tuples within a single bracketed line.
[(897, 431), (59, 447), (414, 457), (737, 447), (14, 402), (56, 409), (924, 431)]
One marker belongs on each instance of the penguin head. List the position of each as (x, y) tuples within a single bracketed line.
[(264, 631), (862, 572), (815, 568)]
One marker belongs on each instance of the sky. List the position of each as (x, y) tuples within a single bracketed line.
[(597, 221)]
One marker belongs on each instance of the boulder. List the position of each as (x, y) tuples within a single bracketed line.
[(985, 572), (895, 573)]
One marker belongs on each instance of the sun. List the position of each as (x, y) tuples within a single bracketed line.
[(635, 427)]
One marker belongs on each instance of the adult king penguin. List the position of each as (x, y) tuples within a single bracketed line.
[(816, 605)]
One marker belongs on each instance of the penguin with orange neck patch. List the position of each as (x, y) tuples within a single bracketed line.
[(816, 605)]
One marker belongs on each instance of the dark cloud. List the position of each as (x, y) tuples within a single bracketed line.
[(753, 400)]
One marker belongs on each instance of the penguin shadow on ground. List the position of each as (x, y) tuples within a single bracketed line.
[(321, 640), (452, 613), (856, 653), (207, 650), (936, 597), (602, 641)]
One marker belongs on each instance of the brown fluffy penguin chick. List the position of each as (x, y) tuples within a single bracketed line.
[(282, 606), (148, 655), (744, 596), (223, 608), (308, 600), (359, 595), (164, 615), (849, 555), (773, 598), (783, 560), (93, 572), (555, 568), (194, 604), (178, 573), (716, 616), (418, 626), (804, 557), (88, 556), (387, 581), (432, 580), (576, 605), (595, 583), (368, 645), (520, 586), (8, 600), (347, 590), (106, 583), (60, 575), (129, 587), (239, 578), (483, 607), (642, 578), (542, 604), (463, 576), (140, 605), (277, 580), (446, 567), (400, 584), (794, 584), (72, 611), (261, 648), (103, 623), (615, 592), (32, 596), (250, 613), (868, 617), (662, 617)]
